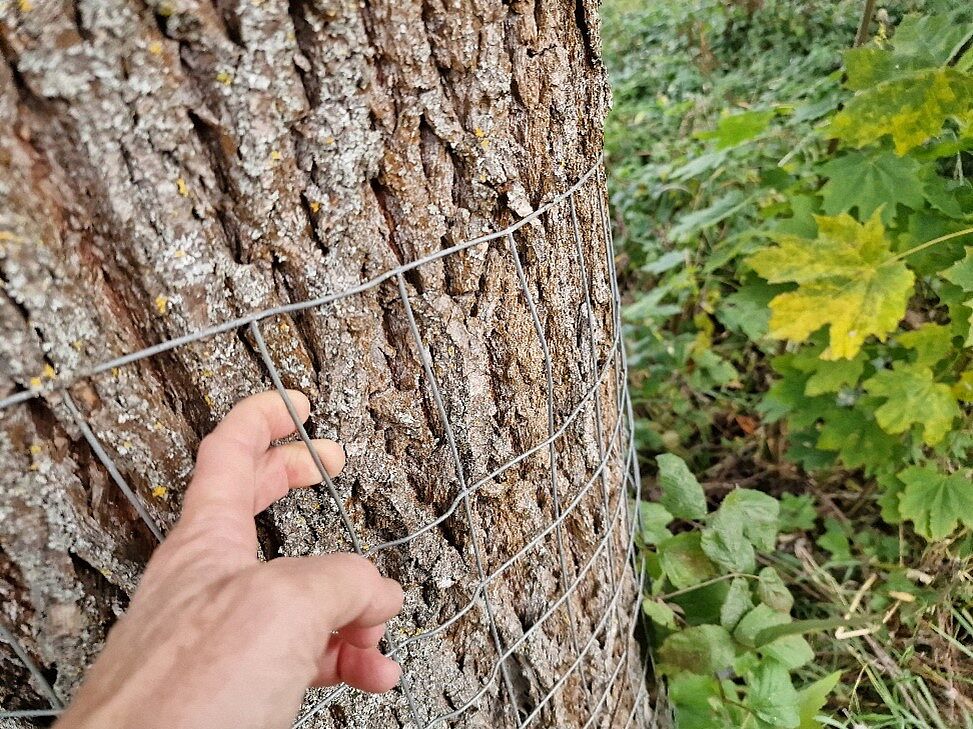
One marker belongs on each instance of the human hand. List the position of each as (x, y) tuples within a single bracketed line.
[(213, 638)]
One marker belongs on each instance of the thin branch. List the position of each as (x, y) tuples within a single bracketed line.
[(867, 14)]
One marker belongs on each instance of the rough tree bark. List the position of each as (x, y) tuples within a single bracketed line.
[(170, 164)]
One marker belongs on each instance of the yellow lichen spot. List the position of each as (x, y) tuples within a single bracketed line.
[(35, 383), (225, 78), (77, 345), (35, 448), (284, 327), (179, 254), (208, 399), (161, 304), (155, 48), (485, 143), (315, 206), (115, 372), (165, 9), (127, 444), (479, 133), (182, 187), (34, 467), (48, 373), (274, 155), (207, 373), (329, 140), (156, 425), (160, 492), (25, 6)]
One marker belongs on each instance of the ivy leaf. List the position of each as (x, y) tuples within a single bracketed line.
[(812, 699), (847, 277), (869, 181), (912, 109), (772, 696), (702, 649), (935, 502), (737, 603), (684, 562), (913, 397), (931, 342), (682, 495)]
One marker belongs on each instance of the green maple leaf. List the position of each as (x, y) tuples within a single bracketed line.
[(847, 277), (869, 181), (935, 502), (913, 397), (911, 108), (931, 342)]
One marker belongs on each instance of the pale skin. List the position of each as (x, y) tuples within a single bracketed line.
[(214, 638)]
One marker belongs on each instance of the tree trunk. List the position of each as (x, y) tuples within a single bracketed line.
[(174, 164)]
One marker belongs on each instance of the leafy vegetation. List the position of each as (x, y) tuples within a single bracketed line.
[(796, 228)]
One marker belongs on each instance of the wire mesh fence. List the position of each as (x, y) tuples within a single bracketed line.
[(615, 695)]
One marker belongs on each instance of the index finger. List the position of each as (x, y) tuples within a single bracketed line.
[(224, 486)]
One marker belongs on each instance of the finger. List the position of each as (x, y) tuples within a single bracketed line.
[(367, 669), (291, 466), (224, 484), (364, 668), (363, 637), (337, 591)]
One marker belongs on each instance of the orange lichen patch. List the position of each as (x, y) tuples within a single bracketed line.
[(161, 304), (182, 187), (160, 492), (315, 206)]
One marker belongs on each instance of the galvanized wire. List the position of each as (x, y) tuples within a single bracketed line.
[(617, 465)]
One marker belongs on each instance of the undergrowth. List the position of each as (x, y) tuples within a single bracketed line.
[(794, 222)]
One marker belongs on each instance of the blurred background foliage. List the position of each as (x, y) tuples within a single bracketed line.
[(792, 217)]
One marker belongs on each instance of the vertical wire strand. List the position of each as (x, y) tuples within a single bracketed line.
[(45, 687), (552, 450), (299, 424), (109, 464), (595, 385), (433, 382)]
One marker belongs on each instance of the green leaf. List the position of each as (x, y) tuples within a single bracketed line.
[(737, 603), (831, 376), (720, 209), (773, 592), (936, 503), (759, 514), (698, 702), (746, 310), (755, 622), (654, 518), (659, 612), (797, 512), (771, 695), (931, 342), (703, 649), (869, 182), (682, 495), (913, 397), (791, 651), (847, 277), (733, 130), (834, 540), (961, 272), (812, 699), (723, 542), (912, 109), (857, 438), (684, 562)]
